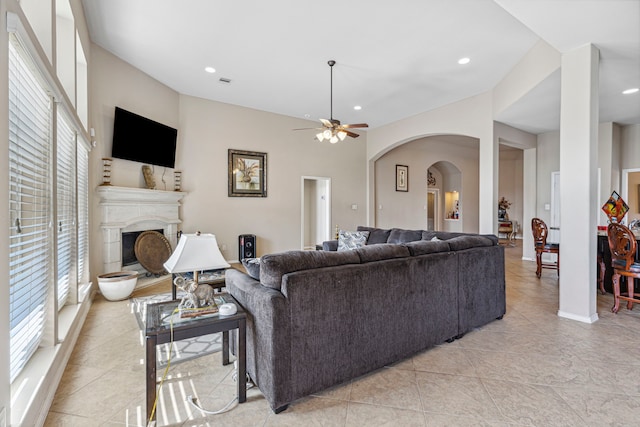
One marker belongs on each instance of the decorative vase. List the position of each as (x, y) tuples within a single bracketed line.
[(117, 286)]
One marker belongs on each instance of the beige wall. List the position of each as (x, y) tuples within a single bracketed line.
[(633, 197), (407, 209), (470, 117), (113, 83), (206, 130), (510, 185)]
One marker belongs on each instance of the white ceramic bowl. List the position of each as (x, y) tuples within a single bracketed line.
[(117, 286)]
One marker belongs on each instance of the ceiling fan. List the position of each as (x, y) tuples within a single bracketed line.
[(332, 130)]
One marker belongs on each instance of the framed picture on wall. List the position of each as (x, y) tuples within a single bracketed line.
[(402, 178), (247, 173)]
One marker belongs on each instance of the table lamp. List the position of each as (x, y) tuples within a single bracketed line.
[(196, 252)]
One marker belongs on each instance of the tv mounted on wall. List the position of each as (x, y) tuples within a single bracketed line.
[(143, 140)]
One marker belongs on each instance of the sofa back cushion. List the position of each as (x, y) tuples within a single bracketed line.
[(376, 235), (469, 241), (423, 247), (371, 253), (399, 235), (274, 266), (441, 235)]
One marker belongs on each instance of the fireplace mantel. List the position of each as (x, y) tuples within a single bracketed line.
[(126, 194), (124, 209)]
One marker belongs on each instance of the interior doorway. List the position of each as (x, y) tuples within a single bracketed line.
[(630, 192), (433, 195), (316, 211)]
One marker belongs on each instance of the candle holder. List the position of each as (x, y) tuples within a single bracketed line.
[(177, 180), (106, 170)]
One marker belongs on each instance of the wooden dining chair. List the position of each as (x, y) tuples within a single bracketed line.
[(622, 244), (540, 233)]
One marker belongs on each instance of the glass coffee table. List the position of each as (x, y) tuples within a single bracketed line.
[(163, 317)]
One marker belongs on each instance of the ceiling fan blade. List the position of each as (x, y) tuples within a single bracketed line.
[(357, 125), (327, 123), (308, 129), (351, 134)]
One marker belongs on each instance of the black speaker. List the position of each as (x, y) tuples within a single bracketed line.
[(246, 246)]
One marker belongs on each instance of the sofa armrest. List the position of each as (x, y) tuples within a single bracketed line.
[(330, 245), (268, 335)]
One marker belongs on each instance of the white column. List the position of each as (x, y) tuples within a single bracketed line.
[(488, 191), (529, 180), (578, 188)]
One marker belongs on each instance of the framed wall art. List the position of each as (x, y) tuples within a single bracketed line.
[(402, 178), (247, 173)]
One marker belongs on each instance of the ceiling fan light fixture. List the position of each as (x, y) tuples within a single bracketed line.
[(332, 130)]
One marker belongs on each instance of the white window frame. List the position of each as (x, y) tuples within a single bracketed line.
[(30, 399)]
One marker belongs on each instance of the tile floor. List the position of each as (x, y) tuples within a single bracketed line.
[(532, 368)]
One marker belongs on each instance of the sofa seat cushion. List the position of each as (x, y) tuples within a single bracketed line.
[(470, 241), (376, 235), (423, 247), (399, 235), (274, 266), (371, 253)]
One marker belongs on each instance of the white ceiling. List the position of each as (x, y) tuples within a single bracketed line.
[(395, 59)]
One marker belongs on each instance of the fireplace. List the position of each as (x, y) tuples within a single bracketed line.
[(128, 246), (134, 210)]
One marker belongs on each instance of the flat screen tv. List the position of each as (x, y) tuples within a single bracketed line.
[(143, 140)]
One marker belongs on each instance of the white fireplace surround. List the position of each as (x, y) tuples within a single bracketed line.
[(124, 209)]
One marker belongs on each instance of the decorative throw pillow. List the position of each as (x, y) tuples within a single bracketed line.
[(348, 240), (252, 265), (435, 239)]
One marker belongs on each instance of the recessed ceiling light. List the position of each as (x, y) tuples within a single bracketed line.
[(210, 70), (357, 107), (307, 115), (464, 61), (630, 91)]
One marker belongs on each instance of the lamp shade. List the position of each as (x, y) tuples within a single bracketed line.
[(196, 252)]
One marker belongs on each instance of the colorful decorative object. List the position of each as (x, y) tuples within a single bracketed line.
[(615, 208)]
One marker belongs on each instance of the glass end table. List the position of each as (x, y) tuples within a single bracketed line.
[(163, 317)]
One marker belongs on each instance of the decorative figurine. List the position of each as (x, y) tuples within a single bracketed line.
[(198, 299)]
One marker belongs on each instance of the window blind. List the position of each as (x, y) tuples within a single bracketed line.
[(66, 194), (29, 207)]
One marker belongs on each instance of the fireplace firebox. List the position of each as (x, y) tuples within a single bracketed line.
[(128, 246)]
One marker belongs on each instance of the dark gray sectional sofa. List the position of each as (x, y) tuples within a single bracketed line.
[(318, 318)]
